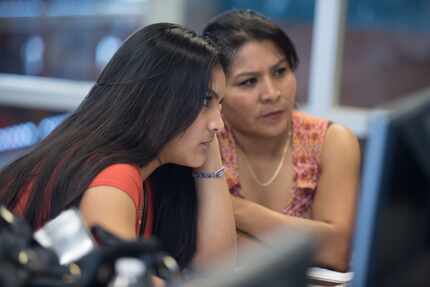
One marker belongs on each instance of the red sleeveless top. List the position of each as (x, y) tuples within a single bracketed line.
[(125, 177)]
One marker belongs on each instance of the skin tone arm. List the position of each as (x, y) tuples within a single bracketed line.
[(112, 209), (333, 207), (216, 226)]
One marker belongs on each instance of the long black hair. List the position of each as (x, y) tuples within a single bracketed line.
[(152, 90), (232, 29)]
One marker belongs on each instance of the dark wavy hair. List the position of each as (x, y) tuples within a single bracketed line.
[(232, 29), (151, 91)]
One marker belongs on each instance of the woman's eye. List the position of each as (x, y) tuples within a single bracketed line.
[(206, 102), (248, 82), (280, 71), (220, 104)]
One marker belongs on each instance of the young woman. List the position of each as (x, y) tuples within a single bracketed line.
[(283, 166), (139, 155)]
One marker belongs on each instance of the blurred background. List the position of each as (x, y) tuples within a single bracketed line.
[(52, 50)]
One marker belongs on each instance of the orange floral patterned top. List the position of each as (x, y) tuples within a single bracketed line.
[(308, 138)]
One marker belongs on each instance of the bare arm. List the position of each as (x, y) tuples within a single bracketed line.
[(114, 210), (111, 208), (216, 227), (335, 201), (333, 207)]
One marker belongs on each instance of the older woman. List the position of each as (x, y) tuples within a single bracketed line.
[(283, 167)]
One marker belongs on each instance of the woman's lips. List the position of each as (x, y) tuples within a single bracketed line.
[(207, 141), (272, 115), (206, 144)]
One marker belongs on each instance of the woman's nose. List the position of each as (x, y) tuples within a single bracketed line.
[(216, 124), (270, 92)]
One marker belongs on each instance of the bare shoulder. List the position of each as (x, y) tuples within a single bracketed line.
[(111, 208), (107, 195), (337, 132), (340, 144)]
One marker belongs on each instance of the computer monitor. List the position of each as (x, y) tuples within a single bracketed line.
[(392, 236), (284, 262)]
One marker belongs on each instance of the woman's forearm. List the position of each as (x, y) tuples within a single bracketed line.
[(216, 225), (259, 221)]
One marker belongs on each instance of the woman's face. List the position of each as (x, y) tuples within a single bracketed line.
[(261, 90), (191, 147)]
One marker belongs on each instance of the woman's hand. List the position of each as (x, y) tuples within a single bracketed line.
[(213, 161), (241, 211)]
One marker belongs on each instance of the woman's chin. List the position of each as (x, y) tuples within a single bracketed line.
[(198, 163), (194, 162), (274, 131)]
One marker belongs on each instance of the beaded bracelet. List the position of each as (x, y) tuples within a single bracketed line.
[(204, 175)]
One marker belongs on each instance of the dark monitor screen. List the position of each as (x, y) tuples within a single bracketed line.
[(392, 237)]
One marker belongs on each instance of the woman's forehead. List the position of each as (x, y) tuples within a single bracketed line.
[(218, 81), (255, 53)]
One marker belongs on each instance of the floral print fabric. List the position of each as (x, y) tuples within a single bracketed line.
[(308, 138)]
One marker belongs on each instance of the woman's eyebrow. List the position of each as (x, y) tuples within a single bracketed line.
[(255, 73), (281, 61), (246, 74)]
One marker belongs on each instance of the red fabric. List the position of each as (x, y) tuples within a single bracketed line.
[(128, 179), (125, 177)]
